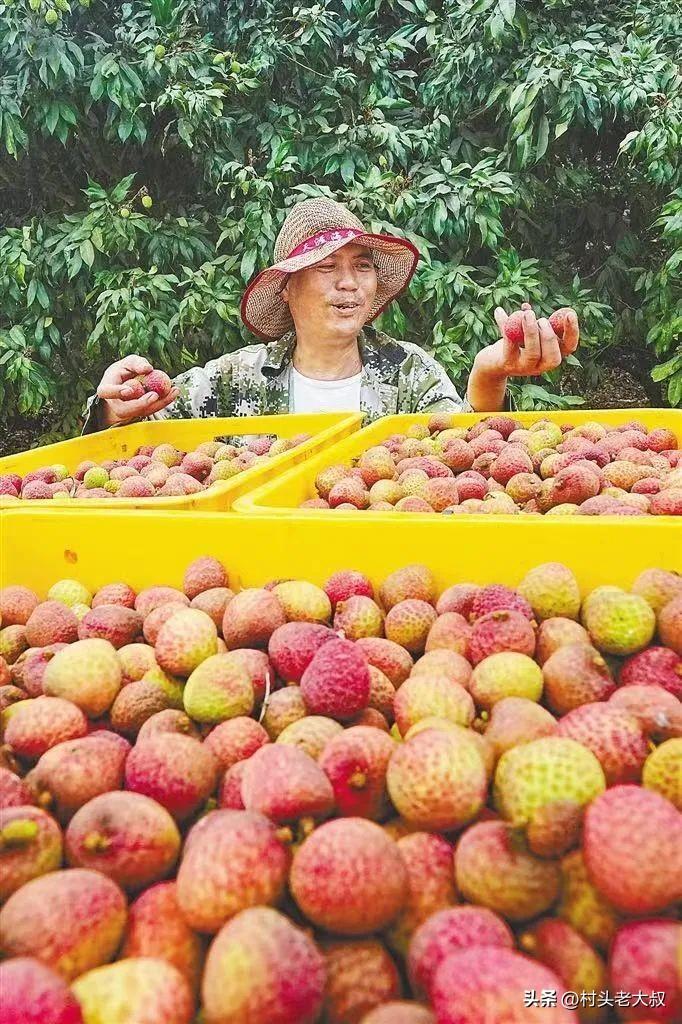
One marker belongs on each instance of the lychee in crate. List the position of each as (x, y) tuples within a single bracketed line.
[(411, 778), (625, 463), (166, 464)]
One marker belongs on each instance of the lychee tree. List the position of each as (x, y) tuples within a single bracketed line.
[(148, 151)]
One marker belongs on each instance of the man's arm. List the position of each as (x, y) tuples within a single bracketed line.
[(541, 352)]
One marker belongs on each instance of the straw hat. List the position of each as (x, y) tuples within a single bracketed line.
[(313, 230)]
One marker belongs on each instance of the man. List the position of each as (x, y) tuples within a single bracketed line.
[(312, 308)]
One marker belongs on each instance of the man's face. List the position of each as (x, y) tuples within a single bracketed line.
[(336, 295)]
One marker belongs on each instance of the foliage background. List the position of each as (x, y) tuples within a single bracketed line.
[(531, 150)]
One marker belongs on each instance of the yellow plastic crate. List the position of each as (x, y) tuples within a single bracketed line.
[(123, 442), (285, 494), (39, 547)]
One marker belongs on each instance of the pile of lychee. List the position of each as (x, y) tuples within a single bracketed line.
[(154, 471), (498, 466), (296, 803)]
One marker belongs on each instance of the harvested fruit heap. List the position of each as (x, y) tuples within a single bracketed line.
[(296, 804), (498, 466), (154, 471)]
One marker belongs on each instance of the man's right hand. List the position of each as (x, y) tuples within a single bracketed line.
[(117, 406)]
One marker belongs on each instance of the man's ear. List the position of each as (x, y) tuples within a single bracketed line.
[(284, 290)]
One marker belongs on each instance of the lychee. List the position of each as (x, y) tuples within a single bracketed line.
[(355, 762), (70, 920), (73, 772), (614, 736), (430, 885), (139, 988), (430, 695), (661, 771), (51, 622), (41, 723), (414, 582), (30, 846), (310, 734), (236, 740), (263, 941), (558, 946), (618, 622), (576, 674), (557, 632), (670, 624), (88, 673), (232, 860), (582, 905), (177, 771), (127, 836), (516, 720), (645, 958), (360, 976), (186, 640), (632, 844), (505, 674), (336, 683), (286, 784), (282, 708), (494, 871), (251, 617), (501, 631), (33, 994), (437, 780), (448, 931), (546, 778), (365, 878), (157, 928)]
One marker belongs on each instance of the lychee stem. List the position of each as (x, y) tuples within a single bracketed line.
[(18, 832), (357, 780), (95, 842)]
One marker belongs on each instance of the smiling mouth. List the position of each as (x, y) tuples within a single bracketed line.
[(346, 305)]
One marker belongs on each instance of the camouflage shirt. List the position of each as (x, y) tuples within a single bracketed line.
[(397, 377)]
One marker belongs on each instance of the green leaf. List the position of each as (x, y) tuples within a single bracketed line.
[(87, 252)]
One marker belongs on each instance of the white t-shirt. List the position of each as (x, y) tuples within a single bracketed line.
[(325, 395)]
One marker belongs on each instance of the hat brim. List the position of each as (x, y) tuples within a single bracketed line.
[(265, 312)]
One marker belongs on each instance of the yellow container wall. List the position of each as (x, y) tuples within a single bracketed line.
[(39, 547), (286, 493), (123, 442)]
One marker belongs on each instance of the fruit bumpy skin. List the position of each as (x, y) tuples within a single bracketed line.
[(487, 983), (427, 696), (33, 994), (516, 720), (360, 975), (142, 989), (619, 623), (177, 771), (70, 920), (437, 780), (236, 740), (661, 771), (583, 906), (645, 957), (430, 885), (218, 689), (41, 723), (365, 878), (126, 836), (355, 762), (501, 631), (505, 674), (494, 872), (262, 969), (450, 931), (88, 673), (30, 846), (336, 683), (186, 640), (157, 928), (285, 784), (632, 845), (655, 665), (670, 624), (532, 779), (551, 590), (574, 675), (614, 737), (559, 947)]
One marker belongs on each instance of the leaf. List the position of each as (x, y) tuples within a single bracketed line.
[(247, 265), (507, 9), (87, 252)]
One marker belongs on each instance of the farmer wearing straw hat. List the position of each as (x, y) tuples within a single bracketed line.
[(313, 309)]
